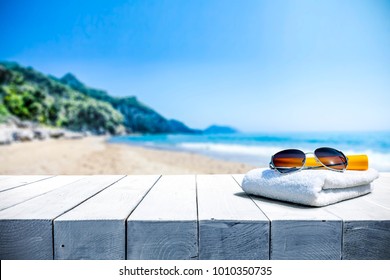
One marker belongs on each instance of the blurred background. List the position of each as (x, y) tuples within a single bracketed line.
[(234, 81)]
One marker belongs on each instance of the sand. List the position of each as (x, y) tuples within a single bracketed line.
[(92, 155)]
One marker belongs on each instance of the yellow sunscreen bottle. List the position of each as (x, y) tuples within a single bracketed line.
[(355, 162)]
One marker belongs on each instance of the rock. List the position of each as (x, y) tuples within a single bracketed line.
[(26, 124), (56, 133), (6, 133), (11, 131), (41, 133), (23, 135), (6, 137), (12, 121), (73, 135)]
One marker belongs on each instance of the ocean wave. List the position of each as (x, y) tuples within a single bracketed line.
[(260, 155), (231, 148)]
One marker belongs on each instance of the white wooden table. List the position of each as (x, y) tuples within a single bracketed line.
[(182, 217)]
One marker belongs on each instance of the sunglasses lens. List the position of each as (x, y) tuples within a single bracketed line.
[(331, 158), (288, 160)]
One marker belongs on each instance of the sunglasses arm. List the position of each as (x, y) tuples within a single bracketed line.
[(271, 165)]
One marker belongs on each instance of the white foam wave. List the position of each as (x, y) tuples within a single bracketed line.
[(262, 154), (231, 148)]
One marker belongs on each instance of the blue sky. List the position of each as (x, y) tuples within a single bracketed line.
[(256, 65)]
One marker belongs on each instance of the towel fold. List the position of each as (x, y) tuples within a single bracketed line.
[(309, 187)]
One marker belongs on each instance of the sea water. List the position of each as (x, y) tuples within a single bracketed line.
[(257, 148)]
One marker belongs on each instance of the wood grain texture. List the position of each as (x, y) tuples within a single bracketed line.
[(96, 229), (300, 232), (34, 218), (366, 240), (12, 182), (90, 240), (162, 240), (231, 226), (305, 240), (164, 225), (228, 240), (26, 239), (366, 230), (29, 191)]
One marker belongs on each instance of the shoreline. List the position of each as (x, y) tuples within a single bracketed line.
[(94, 155)]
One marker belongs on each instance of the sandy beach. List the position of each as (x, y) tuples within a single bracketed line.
[(92, 155)]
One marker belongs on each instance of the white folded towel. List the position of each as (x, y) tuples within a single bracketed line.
[(309, 187)]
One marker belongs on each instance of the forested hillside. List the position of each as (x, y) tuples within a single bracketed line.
[(68, 103)]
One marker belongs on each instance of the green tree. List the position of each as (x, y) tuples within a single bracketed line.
[(14, 102), (91, 115)]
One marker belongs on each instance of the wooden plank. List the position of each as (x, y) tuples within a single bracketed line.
[(96, 229), (238, 178), (164, 225), (18, 195), (3, 177), (18, 181), (231, 226), (384, 174), (366, 230), (299, 232), (302, 233), (26, 229), (381, 192)]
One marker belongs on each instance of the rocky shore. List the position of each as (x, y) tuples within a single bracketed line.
[(15, 130)]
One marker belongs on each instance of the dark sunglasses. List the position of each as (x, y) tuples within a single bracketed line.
[(293, 160)]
